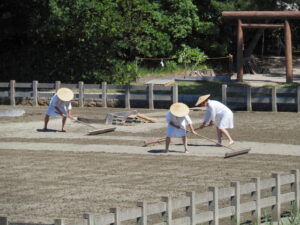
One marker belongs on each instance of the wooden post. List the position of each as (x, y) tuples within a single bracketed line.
[(256, 196), (168, 215), (81, 93), (288, 52), (35, 101), (191, 210), (249, 99), (276, 192), (151, 96), (296, 189), (274, 99), (12, 92), (57, 85), (90, 218), (239, 55), (58, 222), (116, 211), (175, 93), (104, 94), (142, 220), (236, 202), (127, 96), (214, 205), (3, 221), (224, 94), (298, 99), (230, 64)]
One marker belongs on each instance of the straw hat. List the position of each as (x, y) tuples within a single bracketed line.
[(179, 109), (202, 99), (65, 94)]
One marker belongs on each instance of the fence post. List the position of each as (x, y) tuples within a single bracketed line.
[(81, 93), (214, 205), (35, 93), (127, 96), (256, 196), (104, 94), (3, 221), (142, 220), (151, 96), (175, 93), (57, 85), (230, 63), (168, 214), (274, 99), (116, 211), (58, 222), (90, 218), (224, 94), (298, 99), (191, 210), (12, 92), (295, 188), (236, 202), (276, 192), (249, 99)]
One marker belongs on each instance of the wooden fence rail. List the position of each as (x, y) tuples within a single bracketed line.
[(247, 96), (278, 190), (236, 97), (35, 91), (212, 199)]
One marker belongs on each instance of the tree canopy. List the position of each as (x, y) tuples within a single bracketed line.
[(98, 40)]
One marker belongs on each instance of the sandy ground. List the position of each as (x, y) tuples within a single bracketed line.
[(48, 175)]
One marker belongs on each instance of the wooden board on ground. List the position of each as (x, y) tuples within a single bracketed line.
[(198, 108), (101, 131), (165, 82), (148, 119)]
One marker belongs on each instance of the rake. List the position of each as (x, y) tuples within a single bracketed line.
[(233, 152)]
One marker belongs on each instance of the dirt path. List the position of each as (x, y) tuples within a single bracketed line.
[(48, 175)]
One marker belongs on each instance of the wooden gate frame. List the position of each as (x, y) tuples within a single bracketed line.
[(283, 15)]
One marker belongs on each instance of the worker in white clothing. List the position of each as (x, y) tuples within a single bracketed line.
[(178, 119), (60, 105), (217, 110)]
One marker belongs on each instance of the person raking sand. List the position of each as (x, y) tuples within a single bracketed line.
[(178, 119), (60, 105)]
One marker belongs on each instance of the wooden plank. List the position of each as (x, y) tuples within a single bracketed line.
[(71, 86), (138, 87), (112, 86), (165, 82), (162, 97), (4, 85), (92, 86), (146, 118), (101, 131), (47, 85), (231, 89), (4, 94), (24, 94), (289, 90), (261, 90), (104, 219), (23, 85), (162, 88)]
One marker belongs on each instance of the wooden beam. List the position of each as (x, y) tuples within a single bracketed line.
[(261, 14), (262, 26), (288, 52), (240, 48)]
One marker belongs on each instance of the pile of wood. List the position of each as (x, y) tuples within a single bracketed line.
[(127, 118)]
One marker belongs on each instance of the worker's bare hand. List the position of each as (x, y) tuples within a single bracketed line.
[(194, 132)]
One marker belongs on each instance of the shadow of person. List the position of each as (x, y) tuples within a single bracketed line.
[(46, 130)]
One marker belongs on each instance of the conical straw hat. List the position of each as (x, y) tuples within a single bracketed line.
[(179, 109), (202, 99), (65, 94)]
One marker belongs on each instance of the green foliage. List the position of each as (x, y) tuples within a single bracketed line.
[(95, 41), (190, 56)]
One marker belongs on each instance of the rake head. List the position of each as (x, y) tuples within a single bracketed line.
[(238, 152)]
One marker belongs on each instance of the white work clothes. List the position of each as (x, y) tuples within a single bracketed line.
[(217, 110), (182, 122), (56, 102)]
